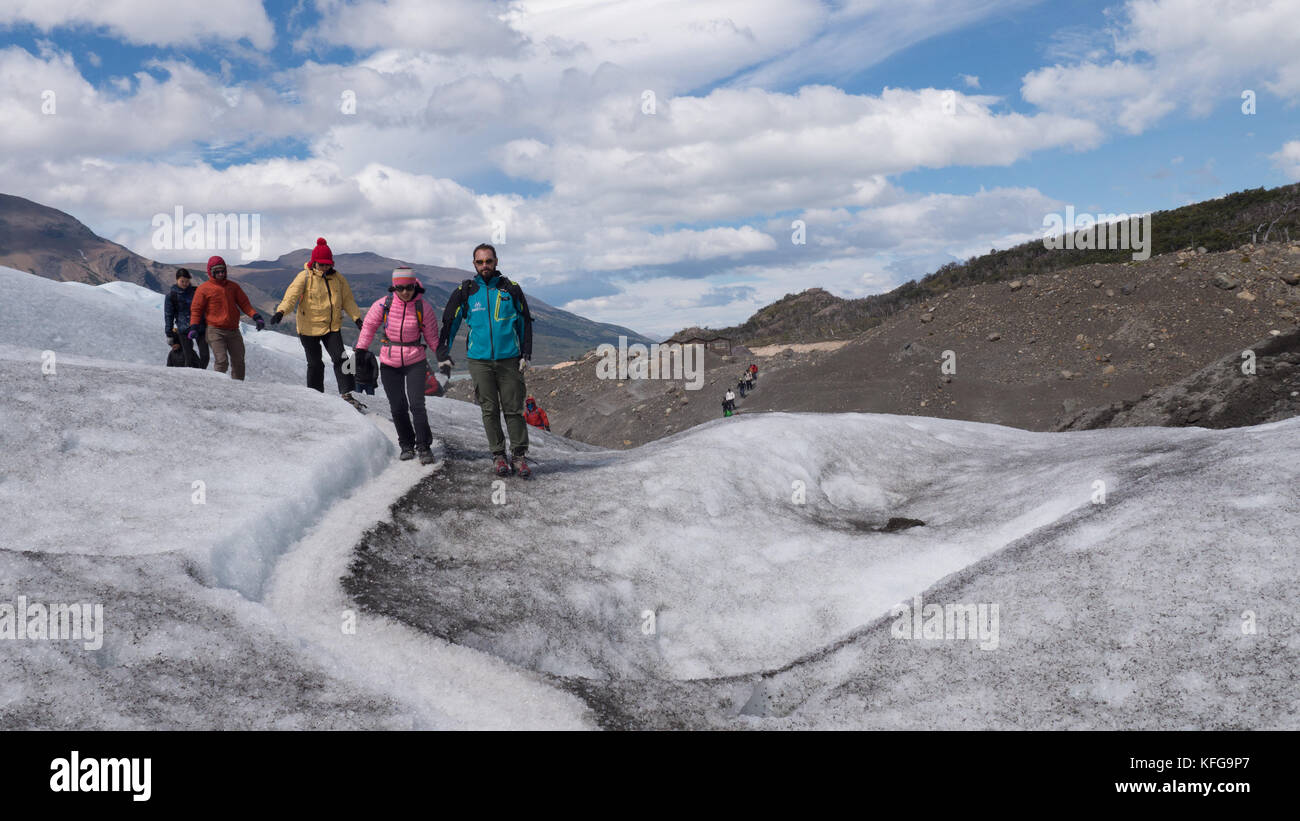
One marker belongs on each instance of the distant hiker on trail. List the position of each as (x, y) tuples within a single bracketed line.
[(500, 345), (407, 327), (534, 415), (728, 403), (176, 314), (740, 386), (749, 380), (322, 296), (753, 369), (216, 307)]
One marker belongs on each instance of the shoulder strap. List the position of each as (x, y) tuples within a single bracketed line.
[(383, 322), (463, 293), (518, 294)]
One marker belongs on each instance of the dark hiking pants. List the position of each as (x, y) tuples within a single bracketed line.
[(333, 344), (405, 389), (501, 390)]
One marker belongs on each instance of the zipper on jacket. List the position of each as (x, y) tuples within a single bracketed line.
[(329, 296)]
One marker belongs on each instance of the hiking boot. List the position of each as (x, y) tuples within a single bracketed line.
[(501, 465), (426, 455), (353, 401), (407, 453), (521, 467)]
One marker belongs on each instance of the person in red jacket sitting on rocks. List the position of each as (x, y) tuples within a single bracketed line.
[(534, 415)]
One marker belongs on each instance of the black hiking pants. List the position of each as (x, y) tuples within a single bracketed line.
[(405, 389), (333, 344), (193, 360)]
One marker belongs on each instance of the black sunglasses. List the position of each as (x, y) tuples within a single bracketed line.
[(403, 287), (483, 261)]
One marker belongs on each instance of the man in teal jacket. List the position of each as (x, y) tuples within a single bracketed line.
[(500, 344)]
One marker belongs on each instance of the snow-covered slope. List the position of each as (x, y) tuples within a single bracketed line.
[(738, 574), (167, 495)]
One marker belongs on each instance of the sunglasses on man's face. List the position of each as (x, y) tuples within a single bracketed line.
[(483, 261)]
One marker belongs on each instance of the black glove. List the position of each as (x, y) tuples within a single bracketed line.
[(444, 368), (442, 354), (279, 315), (258, 321), (358, 320)]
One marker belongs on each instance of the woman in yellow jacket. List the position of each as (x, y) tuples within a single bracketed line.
[(322, 296)]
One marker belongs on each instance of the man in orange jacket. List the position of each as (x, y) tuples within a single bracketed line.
[(216, 307)]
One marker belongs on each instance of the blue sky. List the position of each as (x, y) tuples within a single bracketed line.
[(902, 135)]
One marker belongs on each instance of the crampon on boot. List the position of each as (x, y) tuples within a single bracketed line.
[(521, 467), (501, 465), (354, 402)]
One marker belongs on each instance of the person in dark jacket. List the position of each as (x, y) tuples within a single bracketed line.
[(176, 314), (176, 357)]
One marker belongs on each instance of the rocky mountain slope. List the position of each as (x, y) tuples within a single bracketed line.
[(49, 243)]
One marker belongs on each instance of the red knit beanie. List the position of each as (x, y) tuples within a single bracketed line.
[(321, 253)]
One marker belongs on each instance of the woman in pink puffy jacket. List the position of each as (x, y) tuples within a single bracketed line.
[(406, 327)]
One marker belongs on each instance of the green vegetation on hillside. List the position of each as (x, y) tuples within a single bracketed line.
[(1216, 225)]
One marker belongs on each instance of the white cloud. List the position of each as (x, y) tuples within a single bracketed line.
[(858, 34), (737, 153), (616, 248), (1177, 54), (149, 22), (1287, 160), (450, 26), (137, 115)]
